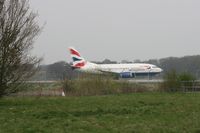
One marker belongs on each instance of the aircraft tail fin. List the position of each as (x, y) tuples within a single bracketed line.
[(78, 61)]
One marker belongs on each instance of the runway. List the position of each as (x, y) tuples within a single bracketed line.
[(145, 80), (121, 80)]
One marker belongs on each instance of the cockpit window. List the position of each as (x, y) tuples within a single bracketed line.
[(154, 67)]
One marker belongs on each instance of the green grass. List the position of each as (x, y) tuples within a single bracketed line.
[(131, 113)]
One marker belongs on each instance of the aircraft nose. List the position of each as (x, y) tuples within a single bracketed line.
[(160, 70)]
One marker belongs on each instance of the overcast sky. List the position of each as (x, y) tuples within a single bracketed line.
[(117, 29)]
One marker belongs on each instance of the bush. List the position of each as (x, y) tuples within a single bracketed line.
[(174, 81), (187, 79)]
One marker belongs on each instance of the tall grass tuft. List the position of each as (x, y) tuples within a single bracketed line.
[(100, 85)]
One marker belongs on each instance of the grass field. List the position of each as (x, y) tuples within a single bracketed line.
[(131, 113)]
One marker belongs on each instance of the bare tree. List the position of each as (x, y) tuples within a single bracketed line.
[(1, 5), (18, 28)]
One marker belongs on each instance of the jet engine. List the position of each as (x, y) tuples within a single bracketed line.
[(126, 75)]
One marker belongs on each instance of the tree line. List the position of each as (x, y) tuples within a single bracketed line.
[(62, 70)]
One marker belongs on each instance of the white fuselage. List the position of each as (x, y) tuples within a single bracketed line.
[(134, 68)]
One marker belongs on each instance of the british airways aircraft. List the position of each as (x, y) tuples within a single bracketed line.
[(123, 70)]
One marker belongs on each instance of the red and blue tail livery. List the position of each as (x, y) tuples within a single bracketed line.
[(78, 61)]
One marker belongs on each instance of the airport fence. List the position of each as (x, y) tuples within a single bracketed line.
[(190, 86), (180, 86), (101, 87)]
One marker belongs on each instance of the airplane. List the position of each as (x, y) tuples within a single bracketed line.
[(123, 70)]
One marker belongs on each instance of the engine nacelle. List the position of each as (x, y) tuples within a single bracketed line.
[(126, 75)]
